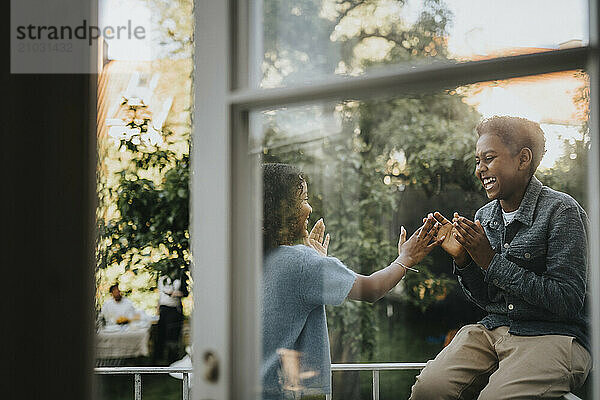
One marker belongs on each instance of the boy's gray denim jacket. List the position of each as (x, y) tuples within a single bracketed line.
[(536, 282)]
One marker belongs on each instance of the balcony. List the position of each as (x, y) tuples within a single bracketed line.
[(375, 368)]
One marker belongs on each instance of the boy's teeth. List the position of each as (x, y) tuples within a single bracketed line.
[(488, 183)]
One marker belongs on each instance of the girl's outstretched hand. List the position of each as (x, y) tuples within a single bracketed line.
[(413, 250), (317, 238)]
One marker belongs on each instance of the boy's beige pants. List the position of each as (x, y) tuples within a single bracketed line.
[(495, 364)]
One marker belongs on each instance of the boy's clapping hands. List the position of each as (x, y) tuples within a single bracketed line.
[(465, 240), (472, 237)]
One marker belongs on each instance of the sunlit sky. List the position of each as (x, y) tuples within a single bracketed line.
[(487, 27), (482, 26), (118, 13)]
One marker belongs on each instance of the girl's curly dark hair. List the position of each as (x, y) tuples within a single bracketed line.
[(282, 187)]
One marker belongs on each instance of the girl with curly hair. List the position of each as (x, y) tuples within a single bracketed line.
[(299, 279)]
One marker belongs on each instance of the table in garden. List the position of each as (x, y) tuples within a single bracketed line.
[(126, 341)]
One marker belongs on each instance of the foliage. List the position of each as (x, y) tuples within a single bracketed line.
[(149, 228), (305, 40), (427, 288), (386, 146), (382, 25), (174, 28), (428, 138), (569, 173), (151, 217)]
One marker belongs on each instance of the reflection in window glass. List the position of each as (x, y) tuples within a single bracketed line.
[(309, 40), (370, 168), (143, 283)]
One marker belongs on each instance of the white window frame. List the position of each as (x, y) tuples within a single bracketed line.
[(225, 210)]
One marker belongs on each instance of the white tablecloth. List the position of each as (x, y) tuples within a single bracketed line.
[(127, 342)]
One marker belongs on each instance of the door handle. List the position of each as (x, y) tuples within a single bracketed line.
[(211, 367)]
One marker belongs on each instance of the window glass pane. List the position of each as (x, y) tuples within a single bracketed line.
[(310, 40), (144, 126), (372, 167)]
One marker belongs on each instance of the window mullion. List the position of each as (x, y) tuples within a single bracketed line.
[(210, 194), (407, 80)]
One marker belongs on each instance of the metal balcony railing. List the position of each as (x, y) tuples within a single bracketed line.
[(137, 373), (375, 368)]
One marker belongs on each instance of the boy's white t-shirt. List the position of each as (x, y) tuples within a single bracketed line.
[(508, 216)]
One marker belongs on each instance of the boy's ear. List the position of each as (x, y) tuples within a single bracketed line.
[(525, 158)]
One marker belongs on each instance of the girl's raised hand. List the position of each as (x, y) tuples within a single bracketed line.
[(318, 231), (315, 238)]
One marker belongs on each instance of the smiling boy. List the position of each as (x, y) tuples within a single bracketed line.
[(524, 261)]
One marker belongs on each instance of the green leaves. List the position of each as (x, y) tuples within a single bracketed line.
[(151, 217), (426, 288), (570, 172)]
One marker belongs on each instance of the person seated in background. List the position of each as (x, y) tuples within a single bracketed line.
[(119, 310)]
